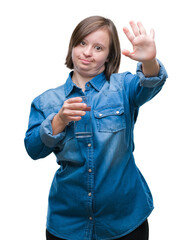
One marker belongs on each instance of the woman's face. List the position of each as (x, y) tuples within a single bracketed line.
[(90, 56)]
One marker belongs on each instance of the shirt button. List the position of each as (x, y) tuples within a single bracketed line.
[(117, 112), (90, 218), (88, 85), (89, 144), (90, 170), (100, 115), (89, 194)]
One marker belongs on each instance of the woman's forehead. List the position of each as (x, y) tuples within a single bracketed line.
[(100, 35)]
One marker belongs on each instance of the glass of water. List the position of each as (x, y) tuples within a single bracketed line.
[(83, 127)]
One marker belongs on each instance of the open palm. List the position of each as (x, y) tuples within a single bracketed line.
[(144, 48)]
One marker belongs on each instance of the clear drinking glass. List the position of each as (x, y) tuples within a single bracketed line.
[(83, 127)]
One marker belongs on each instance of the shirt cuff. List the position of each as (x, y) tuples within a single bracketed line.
[(151, 82), (46, 133)]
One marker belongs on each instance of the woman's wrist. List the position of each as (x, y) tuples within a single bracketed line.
[(58, 124), (150, 68)]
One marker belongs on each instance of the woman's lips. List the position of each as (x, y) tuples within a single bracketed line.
[(85, 61)]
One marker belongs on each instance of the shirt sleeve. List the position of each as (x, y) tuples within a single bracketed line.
[(143, 89), (39, 141)]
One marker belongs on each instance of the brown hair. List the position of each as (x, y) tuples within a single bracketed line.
[(89, 25)]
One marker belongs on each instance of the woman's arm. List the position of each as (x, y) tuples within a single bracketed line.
[(37, 130), (46, 130), (151, 74)]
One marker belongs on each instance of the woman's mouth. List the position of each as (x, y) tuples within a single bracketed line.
[(85, 61)]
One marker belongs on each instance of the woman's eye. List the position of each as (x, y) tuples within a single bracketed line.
[(82, 43), (98, 48)]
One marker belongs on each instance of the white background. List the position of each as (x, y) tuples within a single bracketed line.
[(33, 45)]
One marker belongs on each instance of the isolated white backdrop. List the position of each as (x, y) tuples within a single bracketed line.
[(33, 45)]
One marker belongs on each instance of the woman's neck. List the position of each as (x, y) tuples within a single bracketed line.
[(80, 80)]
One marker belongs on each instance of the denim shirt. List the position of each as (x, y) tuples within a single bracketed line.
[(98, 192)]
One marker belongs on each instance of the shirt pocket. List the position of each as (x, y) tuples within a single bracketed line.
[(110, 119)]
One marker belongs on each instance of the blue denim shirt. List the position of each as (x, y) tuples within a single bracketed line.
[(98, 192)]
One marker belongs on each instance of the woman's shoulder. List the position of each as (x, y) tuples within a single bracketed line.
[(50, 98), (118, 79)]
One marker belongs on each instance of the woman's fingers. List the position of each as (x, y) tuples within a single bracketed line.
[(127, 53), (71, 115), (152, 33), (74, 100), (70, 112), (135, 28), (75, 104), (128, 34), (73, 109), (141, 28)]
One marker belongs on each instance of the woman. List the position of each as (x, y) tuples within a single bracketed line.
[(98, 192)]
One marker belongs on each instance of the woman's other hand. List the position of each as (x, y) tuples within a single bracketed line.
[(72, 110)]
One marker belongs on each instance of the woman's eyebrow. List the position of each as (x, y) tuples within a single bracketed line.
[(95, 43), (98, 43)]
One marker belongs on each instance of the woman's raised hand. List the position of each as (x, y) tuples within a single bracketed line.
[(144, 48)]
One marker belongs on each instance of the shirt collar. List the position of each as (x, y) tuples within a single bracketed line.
[(97, 82), (69, 85)]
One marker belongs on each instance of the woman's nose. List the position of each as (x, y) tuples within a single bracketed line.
[(87, 51)]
